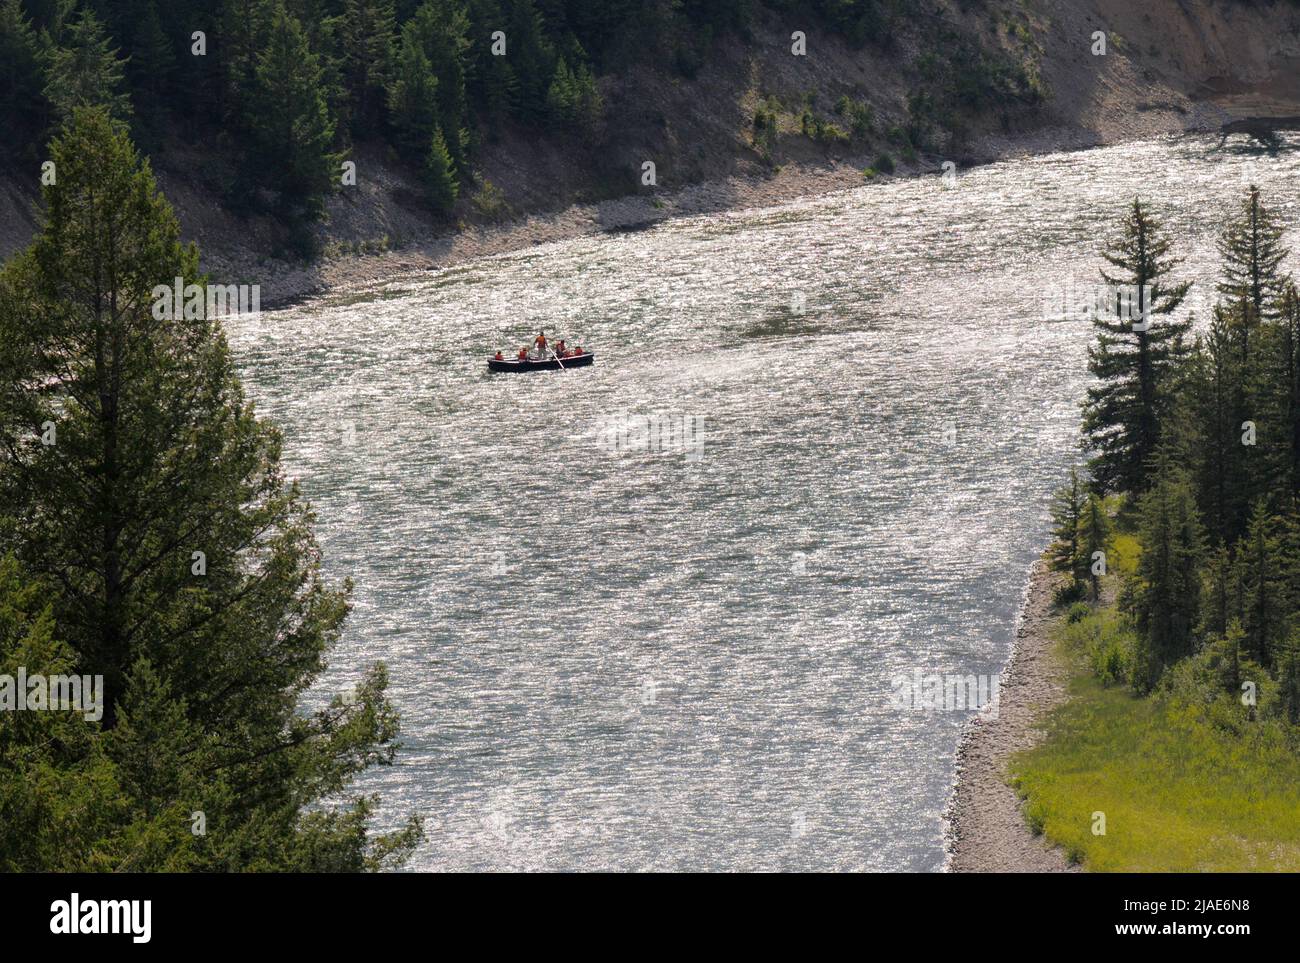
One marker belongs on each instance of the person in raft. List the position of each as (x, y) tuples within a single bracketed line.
[(499, 357), (539, 344), (523, 353), (559, 349)]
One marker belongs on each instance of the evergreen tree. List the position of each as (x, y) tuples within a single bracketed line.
[(1135, 368), (59, 797), (1264, 617), (368, 37), (1288, 681), (532, 58), (1224, 594), (85, 72), (151, 67), (293, 132), (244, 24), (491, 84), (1167, 594), (412, 103), (562, 97), (1094, 542), (441, 28), (22, 78), (440, 175), (1217, 405), (1252, 253), (1287, 385), (158, 457), (1067, 511), (590, 105)]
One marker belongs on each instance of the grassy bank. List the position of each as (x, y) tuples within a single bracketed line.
[(1187, 779)]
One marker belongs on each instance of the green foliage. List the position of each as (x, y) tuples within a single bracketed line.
[(1252, 252), (573, 100), (490, 202), (1134, 368), (1066, 553), (84, 71), (859, 115), (292, 131), (1166, 597), (59, 794), (368, 37), (159, 456), (884, 163), (765, 130), (1093, 542), (1186, 781), (22, 78), (440, 176), (412, 98)]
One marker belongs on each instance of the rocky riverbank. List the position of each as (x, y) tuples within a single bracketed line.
[(987, 829)]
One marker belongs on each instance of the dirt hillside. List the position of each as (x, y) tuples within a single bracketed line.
[(1169, 65)]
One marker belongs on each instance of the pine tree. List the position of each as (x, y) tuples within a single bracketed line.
[(1264, 622), (186, 568), (22, 78), (1094, 542), (1286, 381), (590, 105), (1218, 402), (491, 84), (1067, 510), (1252, 251), (59, 796), (1288, 681), (244, 25), (441, 28), (562, 97), (1135, 368), (532, 59), (1223, 595), (368, 38), (1167, 595), (151, 67), (412, 103), (85, 72), (292, 130), (440, 175)]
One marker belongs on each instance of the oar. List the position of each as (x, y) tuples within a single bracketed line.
[(556, 357)]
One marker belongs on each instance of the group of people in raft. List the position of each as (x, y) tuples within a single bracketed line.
[(542, 350)]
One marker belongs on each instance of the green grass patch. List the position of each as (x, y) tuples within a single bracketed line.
[(1124, 552), (1186, 780)]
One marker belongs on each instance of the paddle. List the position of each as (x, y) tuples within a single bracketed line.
[(556, 357)]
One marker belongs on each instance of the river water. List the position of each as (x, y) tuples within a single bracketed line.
[(612, 654)]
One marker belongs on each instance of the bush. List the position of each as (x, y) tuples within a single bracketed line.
[(1068, 593), (1078, 611), (490, 202), (885, 164), (858, 113)]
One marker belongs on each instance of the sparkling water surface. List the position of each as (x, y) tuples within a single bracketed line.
[(631, 659)]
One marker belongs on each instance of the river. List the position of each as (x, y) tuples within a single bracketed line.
[(612, 655)]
